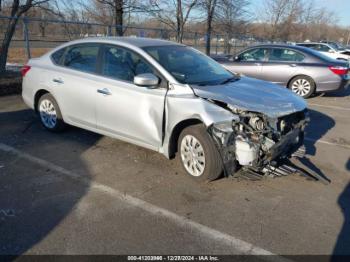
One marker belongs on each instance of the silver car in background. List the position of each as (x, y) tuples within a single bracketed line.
[(328, 49), (301, 69), (166, 97)]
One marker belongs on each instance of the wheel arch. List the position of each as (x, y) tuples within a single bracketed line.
[(175, 134), (37, 97), (298, 75)]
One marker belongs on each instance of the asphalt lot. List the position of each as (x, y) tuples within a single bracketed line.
[(82, 193)]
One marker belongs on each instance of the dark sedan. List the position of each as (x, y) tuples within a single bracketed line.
[(301, 69)]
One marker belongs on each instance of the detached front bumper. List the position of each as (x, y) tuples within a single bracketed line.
[(288, 144)]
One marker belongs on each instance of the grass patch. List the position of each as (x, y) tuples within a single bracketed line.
[(18, 54)]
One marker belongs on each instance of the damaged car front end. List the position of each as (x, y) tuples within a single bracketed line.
[(219, 121), (267, 126), (254, 141)]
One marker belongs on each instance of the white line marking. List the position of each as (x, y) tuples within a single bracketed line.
[(241, 246), (333, 107), (326, 142)]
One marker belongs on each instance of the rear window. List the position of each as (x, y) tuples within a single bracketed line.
[(56, 57)]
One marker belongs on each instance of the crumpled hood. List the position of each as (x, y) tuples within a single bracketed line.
[(254, 95)]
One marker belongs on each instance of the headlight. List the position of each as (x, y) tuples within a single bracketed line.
[(222, 131), (224, 127)]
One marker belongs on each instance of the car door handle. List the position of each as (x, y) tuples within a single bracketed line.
[(58, 80), (104, 91), (292, 65), (257, 64)]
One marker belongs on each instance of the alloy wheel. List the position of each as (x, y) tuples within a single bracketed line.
[(301, 87), (48, 113), (192, 155)]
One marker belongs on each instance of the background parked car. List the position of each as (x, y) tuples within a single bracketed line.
[(329, 50), (301, 69), (344, 49)]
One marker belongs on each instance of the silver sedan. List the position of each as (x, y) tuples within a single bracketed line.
[(166, 97), (301, 69)]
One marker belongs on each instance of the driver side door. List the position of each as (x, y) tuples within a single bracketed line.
[(124, 110)]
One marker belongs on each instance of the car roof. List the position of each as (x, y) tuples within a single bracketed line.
[(134, 41), (313, 43)]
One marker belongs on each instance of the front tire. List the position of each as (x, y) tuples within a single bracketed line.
[(198, 154), (50, 113), (303, 86)]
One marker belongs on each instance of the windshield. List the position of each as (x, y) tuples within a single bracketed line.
[(189, 66)]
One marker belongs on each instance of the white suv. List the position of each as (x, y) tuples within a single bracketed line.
[(328, 50)]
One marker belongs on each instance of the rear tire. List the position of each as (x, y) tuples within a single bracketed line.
[(50, 113), (198, 154), (303, 86)]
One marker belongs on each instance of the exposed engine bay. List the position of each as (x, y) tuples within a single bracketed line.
[(254, 140)]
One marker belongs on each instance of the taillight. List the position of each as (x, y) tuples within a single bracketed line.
[(24, 70), (339, 70)]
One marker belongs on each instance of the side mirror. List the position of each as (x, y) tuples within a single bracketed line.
[(236, 59), (147, 79), (331, 51)]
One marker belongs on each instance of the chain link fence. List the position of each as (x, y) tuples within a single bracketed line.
[(34, 37)]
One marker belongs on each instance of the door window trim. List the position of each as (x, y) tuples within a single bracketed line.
[(61, 58), (163, 81), (61, 63), (98, 69)]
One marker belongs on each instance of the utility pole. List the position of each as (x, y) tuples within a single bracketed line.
[(347, 42)]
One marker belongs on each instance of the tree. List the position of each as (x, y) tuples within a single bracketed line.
[(296, 20), (120, 8), (118, 11), (164, 11), (17, 9), (275, 13), (209, 7), (232, 17)]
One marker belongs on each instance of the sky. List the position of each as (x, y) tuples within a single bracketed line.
[(340, 7)]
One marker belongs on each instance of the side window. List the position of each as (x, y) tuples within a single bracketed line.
[(56, 57), (120, 63), (286, 55), (82, 57), (258, 54)]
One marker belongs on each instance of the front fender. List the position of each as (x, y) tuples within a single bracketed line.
[(182, 108)]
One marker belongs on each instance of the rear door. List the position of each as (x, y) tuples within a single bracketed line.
[(74, 84), (282, 65), (249, 63)]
